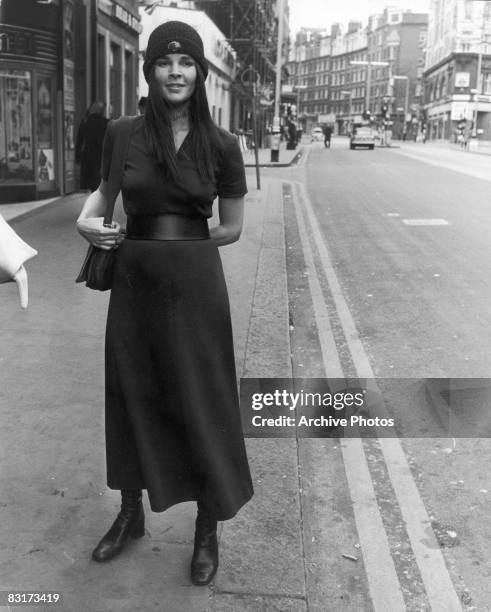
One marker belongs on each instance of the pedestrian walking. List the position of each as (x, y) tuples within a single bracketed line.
[(327, 131), (172, 417), (88, 145)]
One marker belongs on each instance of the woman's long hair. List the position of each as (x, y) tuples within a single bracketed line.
[(206, 145)]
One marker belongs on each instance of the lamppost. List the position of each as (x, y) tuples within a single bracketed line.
[(368, 64), (406, 102), (298, 89), (275, 141)]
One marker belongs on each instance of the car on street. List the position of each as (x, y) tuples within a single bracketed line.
[(362, 136), (317, 135)]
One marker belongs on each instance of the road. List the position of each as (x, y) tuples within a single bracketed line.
[(390, 280)]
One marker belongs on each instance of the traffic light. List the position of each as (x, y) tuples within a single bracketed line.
[(367, 115)]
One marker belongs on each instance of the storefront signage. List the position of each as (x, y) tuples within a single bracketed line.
[(126, 17), (462, 79), (460, 111), (15, 42)]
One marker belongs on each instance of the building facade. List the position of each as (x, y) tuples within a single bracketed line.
[(56, 59), (362, 71), (458, 70), (306, 86), (398, 39), (347, 95)]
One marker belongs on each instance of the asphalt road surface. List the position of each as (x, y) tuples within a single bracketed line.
[(388, 269)]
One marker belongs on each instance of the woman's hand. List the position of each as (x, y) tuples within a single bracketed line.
[(93, 230)]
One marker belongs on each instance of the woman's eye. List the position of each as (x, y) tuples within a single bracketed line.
[(163, 62), (188, 62)]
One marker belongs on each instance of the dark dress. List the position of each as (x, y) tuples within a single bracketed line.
[(88, 150), (172, 418)]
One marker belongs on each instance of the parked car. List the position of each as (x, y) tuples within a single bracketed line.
[(317, 135), (362, 136)]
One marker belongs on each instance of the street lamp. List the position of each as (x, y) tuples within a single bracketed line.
[(368, 64), (406, 102), (275, 143), (298, 89)]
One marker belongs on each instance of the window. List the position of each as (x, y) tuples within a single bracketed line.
[(16, 156), (129, 94), (487, 83), (115, 80)]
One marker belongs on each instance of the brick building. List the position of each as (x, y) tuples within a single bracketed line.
[(458, 69)]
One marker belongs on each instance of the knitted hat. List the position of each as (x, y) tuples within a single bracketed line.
[(174, 37)]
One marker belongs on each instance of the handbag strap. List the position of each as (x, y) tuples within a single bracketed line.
[(120, 132)]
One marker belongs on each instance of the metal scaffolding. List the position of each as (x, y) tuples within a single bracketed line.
[(250, 27)]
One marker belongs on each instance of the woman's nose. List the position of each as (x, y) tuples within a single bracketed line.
[(175, 69)]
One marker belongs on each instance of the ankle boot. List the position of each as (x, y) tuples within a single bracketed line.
[(204, 563), (129, 522)]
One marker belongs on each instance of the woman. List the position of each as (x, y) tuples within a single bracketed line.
[(88, 146), (172, 419)]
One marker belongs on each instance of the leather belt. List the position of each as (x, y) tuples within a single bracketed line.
[(166, 227)]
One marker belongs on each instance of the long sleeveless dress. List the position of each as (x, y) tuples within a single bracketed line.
[(172, 418)]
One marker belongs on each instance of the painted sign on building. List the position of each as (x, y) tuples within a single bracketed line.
[(462, 79)]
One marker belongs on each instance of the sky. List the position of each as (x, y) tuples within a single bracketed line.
[(322, 13)]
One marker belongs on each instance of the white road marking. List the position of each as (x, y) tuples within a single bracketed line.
[(439, 587), (385, 590), (425, 222), (393, 214)]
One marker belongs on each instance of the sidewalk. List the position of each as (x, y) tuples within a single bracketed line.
[(12, 211), (482, 148), (56, 506), (286, 157), (447, 156)]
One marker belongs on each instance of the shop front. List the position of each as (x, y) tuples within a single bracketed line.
[(28, 84)]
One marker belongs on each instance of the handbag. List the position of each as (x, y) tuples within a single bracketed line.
[(98, 266), (14, 252)]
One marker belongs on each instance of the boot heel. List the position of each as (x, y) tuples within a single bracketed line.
[(139, 530)]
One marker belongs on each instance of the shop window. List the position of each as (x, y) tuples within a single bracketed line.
[(130, 94), (16, 155), (115, 80), (45, 133)]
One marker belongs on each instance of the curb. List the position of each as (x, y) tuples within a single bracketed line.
[(293, 161), (41, 207)]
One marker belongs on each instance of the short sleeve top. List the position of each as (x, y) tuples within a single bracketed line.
[(146, 191)]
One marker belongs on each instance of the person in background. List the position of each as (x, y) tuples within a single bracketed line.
[(173, 424), (88, 146), (327, 130)]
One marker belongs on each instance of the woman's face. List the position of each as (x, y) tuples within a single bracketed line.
[(176, 75)]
